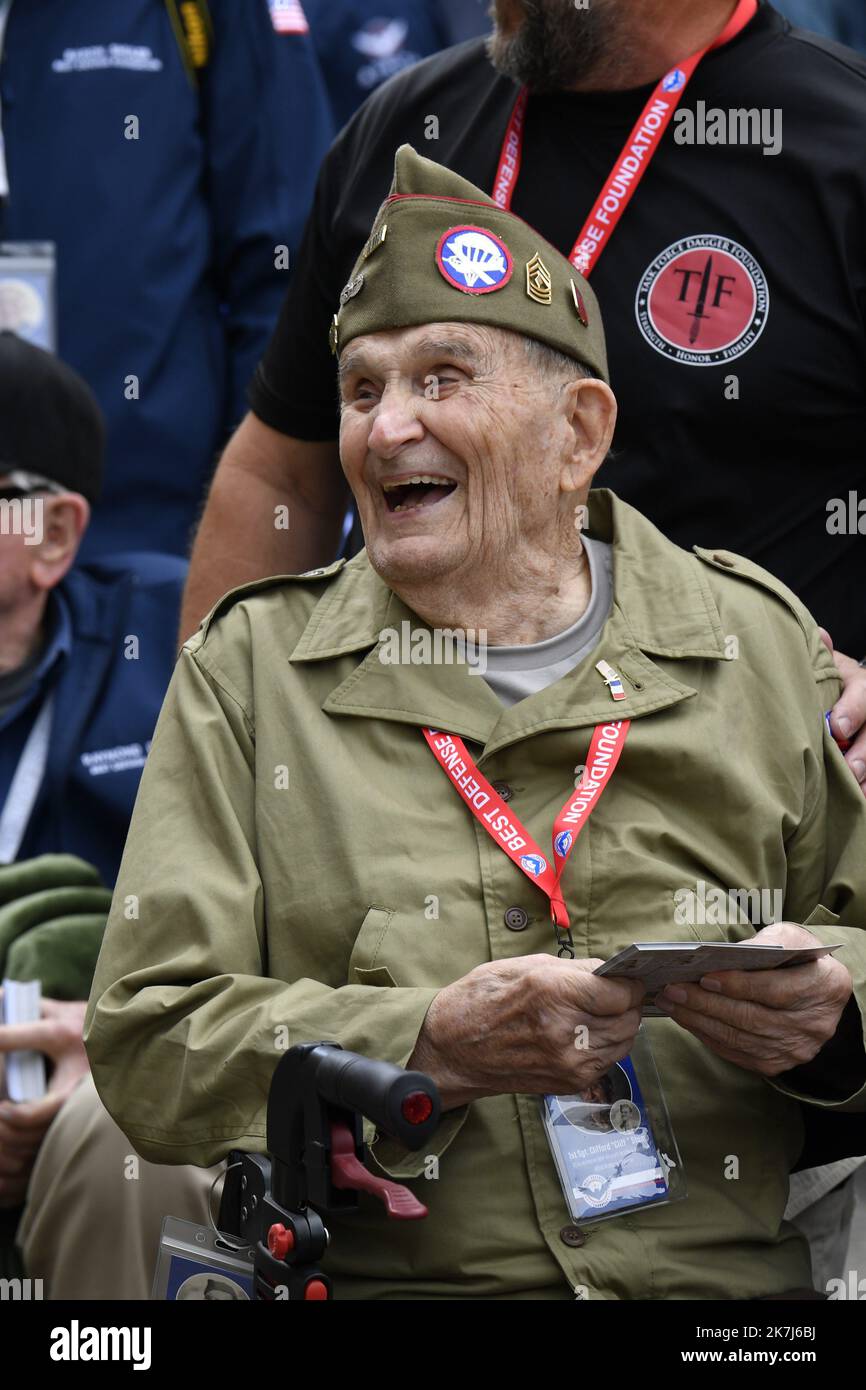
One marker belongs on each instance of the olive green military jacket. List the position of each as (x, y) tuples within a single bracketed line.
[(298, 868)]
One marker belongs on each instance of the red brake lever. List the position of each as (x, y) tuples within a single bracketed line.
[(348, 1171)]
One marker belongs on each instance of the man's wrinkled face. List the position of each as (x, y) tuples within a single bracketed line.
[(452, 444), (15, 559), (551, 45)]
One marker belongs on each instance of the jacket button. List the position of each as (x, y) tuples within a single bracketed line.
[(724, 560), (503, 789), (516, 919), (573, 1236)]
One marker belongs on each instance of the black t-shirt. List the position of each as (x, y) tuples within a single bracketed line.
[(777, 243)]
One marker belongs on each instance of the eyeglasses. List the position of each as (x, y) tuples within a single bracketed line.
[(19, 483)]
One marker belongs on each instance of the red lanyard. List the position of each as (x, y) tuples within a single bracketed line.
[(634, 157), (502, 825)]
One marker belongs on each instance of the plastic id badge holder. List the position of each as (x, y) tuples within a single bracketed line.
[(612, 1143), (28, 274), (197, 1265)]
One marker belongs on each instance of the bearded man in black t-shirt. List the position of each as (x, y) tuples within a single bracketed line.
[(733, 288)]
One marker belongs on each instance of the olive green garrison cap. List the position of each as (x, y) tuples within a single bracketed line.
[(441, 251)]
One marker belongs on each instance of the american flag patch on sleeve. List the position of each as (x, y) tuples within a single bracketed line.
[(288, 17)]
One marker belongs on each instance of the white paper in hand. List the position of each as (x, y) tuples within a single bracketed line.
[(25, 1071), (660, 963)]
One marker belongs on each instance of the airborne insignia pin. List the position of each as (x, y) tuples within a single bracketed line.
[(538, 283), (351, 289)]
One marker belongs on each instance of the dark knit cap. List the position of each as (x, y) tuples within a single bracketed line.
[(50, 422)]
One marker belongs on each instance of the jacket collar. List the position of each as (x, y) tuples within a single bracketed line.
[(661, 588), (663, 606)]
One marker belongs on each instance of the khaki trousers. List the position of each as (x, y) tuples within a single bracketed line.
[(91, 1226)]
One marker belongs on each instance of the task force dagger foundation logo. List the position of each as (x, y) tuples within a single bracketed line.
[(703, 301), (533, 864), (562, 843), (474, 260)]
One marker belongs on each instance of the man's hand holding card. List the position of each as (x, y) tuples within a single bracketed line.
[(767, 1020)]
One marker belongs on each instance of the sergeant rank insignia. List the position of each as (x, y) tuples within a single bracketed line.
[(538, 283)]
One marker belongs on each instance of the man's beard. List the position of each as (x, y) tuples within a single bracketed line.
[(557, 46)]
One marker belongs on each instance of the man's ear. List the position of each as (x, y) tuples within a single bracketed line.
[(590, 407), (65, 517)]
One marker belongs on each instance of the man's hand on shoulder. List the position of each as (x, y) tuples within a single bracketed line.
[(534, 1025), (848, 715)]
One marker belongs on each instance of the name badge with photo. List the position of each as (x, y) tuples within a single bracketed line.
[(198, 1265), (27, 291), (612, 1142)]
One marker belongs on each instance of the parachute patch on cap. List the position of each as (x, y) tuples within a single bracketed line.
[(473, 260)]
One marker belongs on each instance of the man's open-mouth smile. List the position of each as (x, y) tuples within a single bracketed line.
[(415, 490)]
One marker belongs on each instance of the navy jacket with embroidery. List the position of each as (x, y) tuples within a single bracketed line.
[(165, 242), (110, 651)]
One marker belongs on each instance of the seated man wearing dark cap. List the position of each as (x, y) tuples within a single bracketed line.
[(343, 835), (94, 643), (85, 657)]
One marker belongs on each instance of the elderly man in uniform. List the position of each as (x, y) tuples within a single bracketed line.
[(312, 855)]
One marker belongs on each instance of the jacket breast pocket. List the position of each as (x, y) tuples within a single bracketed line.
[(415, 946), (708, 912), (365, 964)]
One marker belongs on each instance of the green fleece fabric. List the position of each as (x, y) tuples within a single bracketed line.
[(52, 915), (61, 954), (46, 871), (53, 911)]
